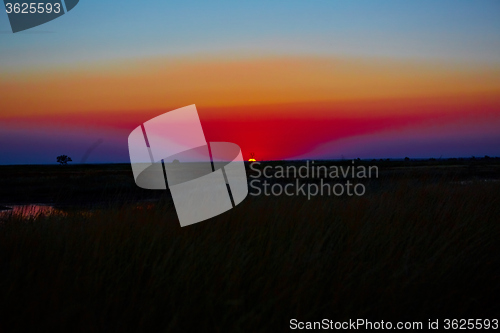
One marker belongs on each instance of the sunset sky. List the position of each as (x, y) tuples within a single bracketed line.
[(282, 79)]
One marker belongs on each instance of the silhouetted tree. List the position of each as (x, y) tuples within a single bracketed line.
[(63, 159), (407, 158)]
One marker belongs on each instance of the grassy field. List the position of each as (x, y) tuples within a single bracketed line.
[(422, 243)]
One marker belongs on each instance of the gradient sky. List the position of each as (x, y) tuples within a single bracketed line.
[(282, 79)]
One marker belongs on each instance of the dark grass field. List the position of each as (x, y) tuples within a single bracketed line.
[(422, 243)]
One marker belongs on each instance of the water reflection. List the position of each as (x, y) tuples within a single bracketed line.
[(29, 211)]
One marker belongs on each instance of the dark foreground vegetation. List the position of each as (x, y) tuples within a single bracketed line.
[(422, 243)]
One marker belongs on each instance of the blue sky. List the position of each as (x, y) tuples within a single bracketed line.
[(96, 30)]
